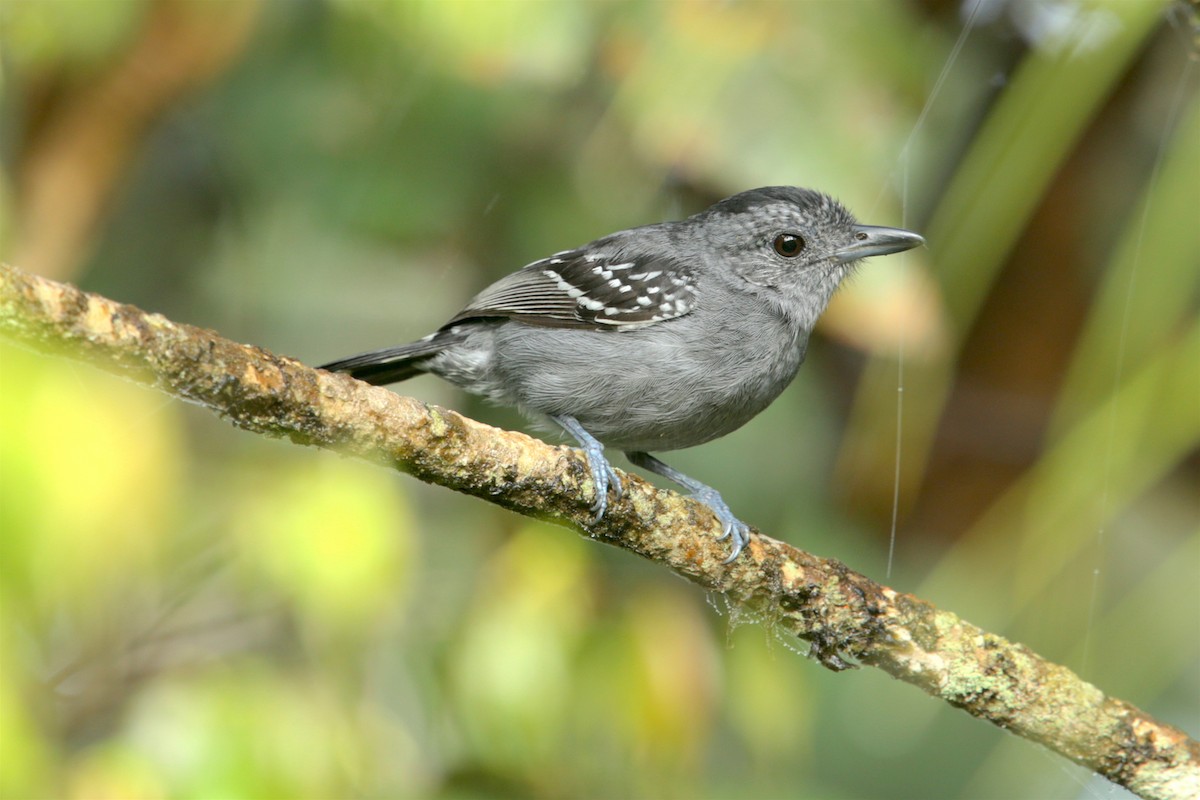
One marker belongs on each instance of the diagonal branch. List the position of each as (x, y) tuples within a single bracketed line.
[(843, 614)]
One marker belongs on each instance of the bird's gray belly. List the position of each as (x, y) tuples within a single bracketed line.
[(651, 389)]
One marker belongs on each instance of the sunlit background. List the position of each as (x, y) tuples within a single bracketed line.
[(193, 611)]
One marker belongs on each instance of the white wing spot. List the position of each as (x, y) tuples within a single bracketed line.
[(563, 285)]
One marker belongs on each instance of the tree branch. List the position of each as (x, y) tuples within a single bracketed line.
[(843, 614)]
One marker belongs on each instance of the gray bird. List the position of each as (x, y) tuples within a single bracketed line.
[(654, 338)]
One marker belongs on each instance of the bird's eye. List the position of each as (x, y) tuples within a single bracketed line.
[(788, 245)]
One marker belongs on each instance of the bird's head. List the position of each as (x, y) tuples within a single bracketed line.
[(796, 243)]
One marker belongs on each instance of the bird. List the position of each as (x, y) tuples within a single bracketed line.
[(655, 338)]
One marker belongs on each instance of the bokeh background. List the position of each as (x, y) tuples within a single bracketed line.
[(192, 611)]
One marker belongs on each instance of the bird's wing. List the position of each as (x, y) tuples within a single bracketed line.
[(588, 289)]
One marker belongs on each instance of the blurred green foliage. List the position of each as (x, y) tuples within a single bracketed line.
[(188, 611)]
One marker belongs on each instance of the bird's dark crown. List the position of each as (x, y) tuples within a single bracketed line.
[(766, 195), (781, 204)]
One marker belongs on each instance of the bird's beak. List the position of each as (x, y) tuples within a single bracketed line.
[(870, 240)]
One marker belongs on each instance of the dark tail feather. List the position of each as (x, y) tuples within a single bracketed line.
[(391, 364)]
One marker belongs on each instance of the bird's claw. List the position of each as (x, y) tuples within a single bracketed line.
[(734, 529), (604, 477)]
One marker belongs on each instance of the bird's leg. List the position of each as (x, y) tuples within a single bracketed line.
[(735, 529), (604, 476)]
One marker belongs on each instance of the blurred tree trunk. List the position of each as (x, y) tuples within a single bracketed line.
[(80, 137)]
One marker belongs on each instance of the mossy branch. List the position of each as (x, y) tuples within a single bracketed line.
[(844, 615)]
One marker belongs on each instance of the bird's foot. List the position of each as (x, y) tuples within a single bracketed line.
[(735, 530), (604, 477)]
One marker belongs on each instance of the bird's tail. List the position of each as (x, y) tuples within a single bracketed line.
[(392, 364)]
